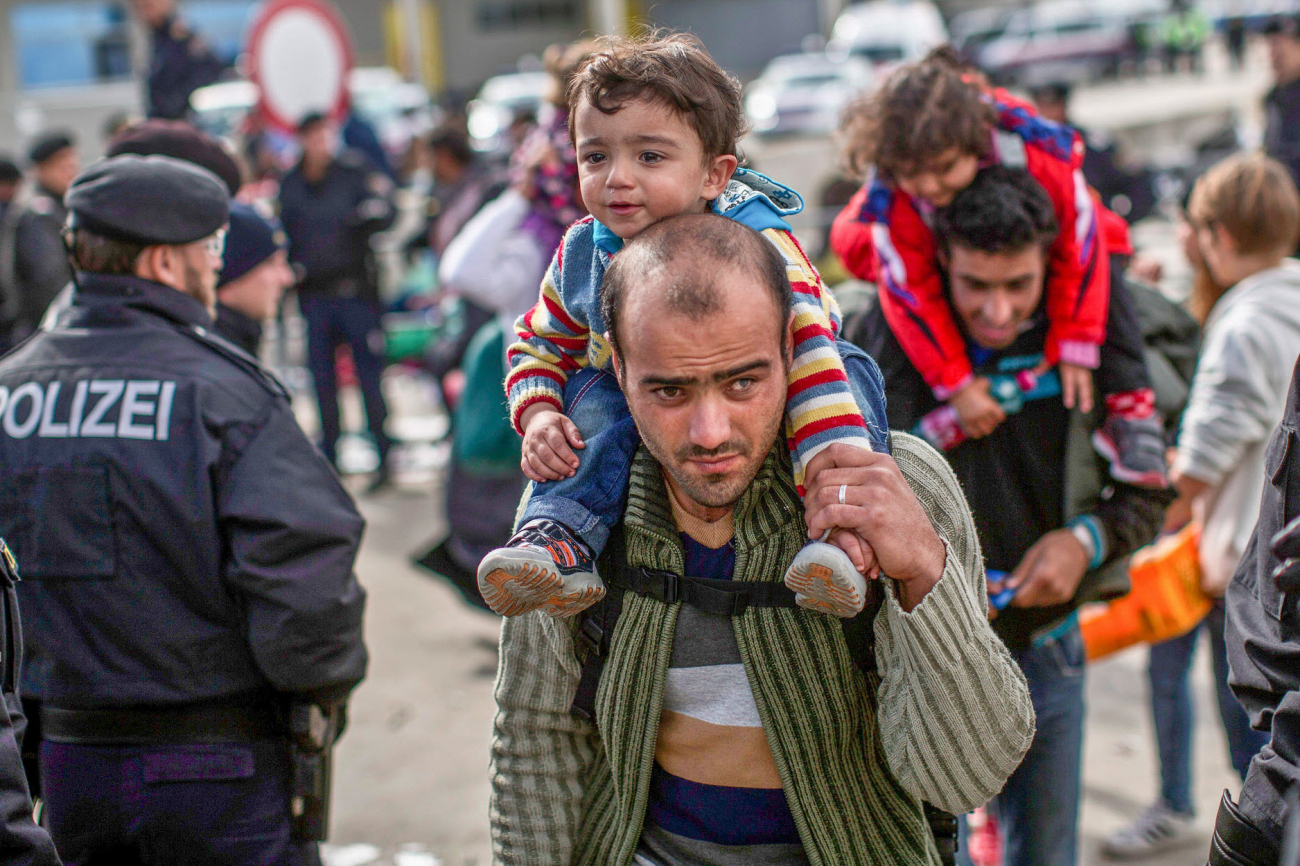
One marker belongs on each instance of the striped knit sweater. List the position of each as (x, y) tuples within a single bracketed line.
[(947, 722), (565, 329)]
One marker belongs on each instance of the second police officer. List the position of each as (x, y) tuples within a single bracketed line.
[(187, 553)]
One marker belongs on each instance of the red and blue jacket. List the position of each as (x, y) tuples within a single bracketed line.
[(884, 236)]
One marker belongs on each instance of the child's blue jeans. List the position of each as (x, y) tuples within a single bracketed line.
[(592, 501)]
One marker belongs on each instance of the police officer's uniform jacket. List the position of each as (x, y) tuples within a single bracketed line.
[(181, 539), (330, 223), (181, 64), (34, 266)]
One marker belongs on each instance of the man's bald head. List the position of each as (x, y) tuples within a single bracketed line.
[(674, 264)]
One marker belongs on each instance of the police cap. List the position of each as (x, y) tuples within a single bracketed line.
[(48, 145), (181, 140), (148, 200)]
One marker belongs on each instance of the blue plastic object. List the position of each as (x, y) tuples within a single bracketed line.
[(1001, 599)]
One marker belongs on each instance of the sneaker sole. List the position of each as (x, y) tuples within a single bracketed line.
[(569, 604), (511, 590), (819, 589)]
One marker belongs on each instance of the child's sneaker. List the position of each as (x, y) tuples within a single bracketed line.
[(824, 580), (543, 566), (1135, 448)]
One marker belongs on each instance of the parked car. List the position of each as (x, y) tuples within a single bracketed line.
[(973, 29), (886, 32), (500, 100), (1070, 41), (805, 93), (398, 109)]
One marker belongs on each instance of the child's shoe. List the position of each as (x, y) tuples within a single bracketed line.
[(824, 580), (1135, 448), (543, 566)]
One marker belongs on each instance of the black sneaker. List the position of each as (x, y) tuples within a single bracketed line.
[(1135, 449), (543, 566)]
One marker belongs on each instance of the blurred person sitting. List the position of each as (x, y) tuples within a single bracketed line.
[(1244, 217), (1282, 102), (254, 277), (180, 63), (34, 265), (331, 205)]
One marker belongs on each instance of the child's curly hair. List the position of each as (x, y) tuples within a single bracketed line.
[(921, 111), (672, 69)]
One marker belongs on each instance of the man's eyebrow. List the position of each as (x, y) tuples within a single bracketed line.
[(720, 376), (751, 367)]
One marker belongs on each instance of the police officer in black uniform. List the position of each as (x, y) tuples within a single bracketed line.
[(22, 843), (1263, 638), (187, 553), (181, 62), (1282, 102), (33, 265), (331, 205)]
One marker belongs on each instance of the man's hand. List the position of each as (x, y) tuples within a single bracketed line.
[(977, 411), (1050, 571), (1076, 386), (882, 510), (548, 436)]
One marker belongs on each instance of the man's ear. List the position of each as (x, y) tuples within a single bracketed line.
[(1224, 239), (615, 360), (720, 170), (789, 340)]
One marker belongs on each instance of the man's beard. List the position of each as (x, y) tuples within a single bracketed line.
[(200, 286), (716, 490)]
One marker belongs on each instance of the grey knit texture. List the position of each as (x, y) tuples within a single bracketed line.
[(948, 722)]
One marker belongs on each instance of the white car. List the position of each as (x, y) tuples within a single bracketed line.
[(889, 32), (805, 93), (500, 100)]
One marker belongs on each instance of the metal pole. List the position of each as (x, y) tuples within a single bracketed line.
[(411, 35), (609, 16)]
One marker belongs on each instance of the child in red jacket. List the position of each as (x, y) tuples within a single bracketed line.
[(921, 139)]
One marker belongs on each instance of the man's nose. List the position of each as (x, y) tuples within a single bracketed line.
[(710, 423), (998, 309)]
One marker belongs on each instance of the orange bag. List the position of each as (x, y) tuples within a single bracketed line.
[(1166, 599)]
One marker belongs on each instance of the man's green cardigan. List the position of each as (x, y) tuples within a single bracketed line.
[(947, 720)]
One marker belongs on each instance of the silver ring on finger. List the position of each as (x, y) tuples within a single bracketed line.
[(843, 489)]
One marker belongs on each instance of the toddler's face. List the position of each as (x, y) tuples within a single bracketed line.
[(643, 163), (939, 180)]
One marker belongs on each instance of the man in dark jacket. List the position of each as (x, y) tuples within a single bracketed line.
[(187, 553), (34, 266), (1282, 102), (1263, 638), (180, 63), (331, 205), (1048, 542)]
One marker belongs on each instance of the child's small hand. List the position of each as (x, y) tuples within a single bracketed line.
[(859, 552), (1076, 386), (977, 411), (548, 436)]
